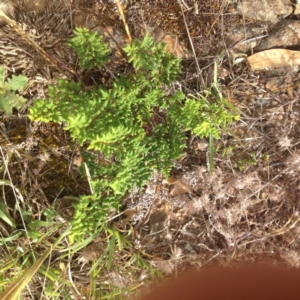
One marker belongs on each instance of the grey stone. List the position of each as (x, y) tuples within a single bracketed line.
[(265, 10), (285, 34)]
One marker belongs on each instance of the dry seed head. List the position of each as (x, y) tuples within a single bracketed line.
[(88, 254), (201, 202), (292, 257), (293, 161), (197, 203), (176, 253), (166, 267), (220, 194), (44, 157), (284, 142), (201, 145), (169, 236)]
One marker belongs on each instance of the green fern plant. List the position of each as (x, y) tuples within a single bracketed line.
[(137, 124), (89, 48), (8, 89)]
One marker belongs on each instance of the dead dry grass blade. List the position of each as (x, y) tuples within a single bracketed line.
[(192, 45), (124, 20)]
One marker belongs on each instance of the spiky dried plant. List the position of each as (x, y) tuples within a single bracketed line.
[(284, 142)]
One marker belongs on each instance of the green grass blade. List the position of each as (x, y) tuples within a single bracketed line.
[(97, 263), (229, 105), (76, 247), (211, 152), (14, 290), (10, 238), (112, 243), (4, 215), (4, 182)]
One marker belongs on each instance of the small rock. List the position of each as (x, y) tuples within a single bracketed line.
[(285, 34), (297, 9), (116, 40), (189, 250), (158, 223), (265, 10), (173, 44), (245, 37)]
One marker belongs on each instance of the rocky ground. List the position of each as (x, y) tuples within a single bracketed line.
[(248, 209)]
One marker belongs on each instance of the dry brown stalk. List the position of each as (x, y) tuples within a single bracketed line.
[(192, 45), (124, 20)]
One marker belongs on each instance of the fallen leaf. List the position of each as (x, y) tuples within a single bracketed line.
[(274, 58)]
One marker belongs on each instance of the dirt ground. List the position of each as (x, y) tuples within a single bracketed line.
[(247, 210)]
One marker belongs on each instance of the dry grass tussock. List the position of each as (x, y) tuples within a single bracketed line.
[(246, 210)]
